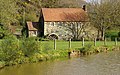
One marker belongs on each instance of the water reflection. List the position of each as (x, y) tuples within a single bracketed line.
[(99, 64)]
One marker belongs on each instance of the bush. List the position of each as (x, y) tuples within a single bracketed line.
[(29, 47), (2, 64), (13, 51), (88, 48), (9, 50)]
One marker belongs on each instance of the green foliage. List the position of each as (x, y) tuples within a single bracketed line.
[(9, 49), (104, 16), (30, 47), (24, 32), (111, 34), (118, 34), (5, 33), (31, 16), (49, 3), (10, 36), (8, 12), (2, 64), (14, 51), (29, 50), (1, 31), (53, 54), (87, 48)]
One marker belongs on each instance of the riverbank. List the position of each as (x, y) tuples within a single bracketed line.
[(95, 64), (14, 51), (92, 49), (55, 54), (2, 64), (38, 57)]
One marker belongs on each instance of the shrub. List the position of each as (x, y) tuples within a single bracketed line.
[(2, 64), (9, 50), (29, 47), (87, 48)]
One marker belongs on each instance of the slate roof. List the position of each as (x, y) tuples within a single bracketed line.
[(64, 14)]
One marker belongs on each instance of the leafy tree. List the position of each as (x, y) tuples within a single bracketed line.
[(8, 16), (8, 11), (4, 32)]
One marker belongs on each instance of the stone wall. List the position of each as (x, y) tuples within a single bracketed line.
[(64, 29), (57, 28)]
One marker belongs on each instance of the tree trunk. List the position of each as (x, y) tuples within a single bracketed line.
[(98, 35), (102, 34)]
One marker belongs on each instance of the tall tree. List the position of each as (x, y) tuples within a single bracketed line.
[(104, 14), (8, 11), (8, 16)]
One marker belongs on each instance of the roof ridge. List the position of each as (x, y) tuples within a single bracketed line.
[(63, 14)]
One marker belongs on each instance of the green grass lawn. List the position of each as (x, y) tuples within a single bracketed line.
[(75, 44)]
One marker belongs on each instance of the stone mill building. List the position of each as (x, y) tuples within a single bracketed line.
[(59, 23)]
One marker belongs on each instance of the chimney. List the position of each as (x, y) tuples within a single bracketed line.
[(84, 7)]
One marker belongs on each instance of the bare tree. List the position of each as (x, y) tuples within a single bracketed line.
[(77, 24), (104, 14), (77, 29)]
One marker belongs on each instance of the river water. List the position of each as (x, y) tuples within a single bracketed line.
[(98, 64)]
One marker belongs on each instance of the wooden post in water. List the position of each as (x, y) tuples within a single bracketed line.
[(105, 41), (54, 44), (94, 41), (83, 42), (69, 43), (115, 41)]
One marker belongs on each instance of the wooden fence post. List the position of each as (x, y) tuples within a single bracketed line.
[(94, 41), (115, 41), (69, 43), (83, 42), (54, 44)]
